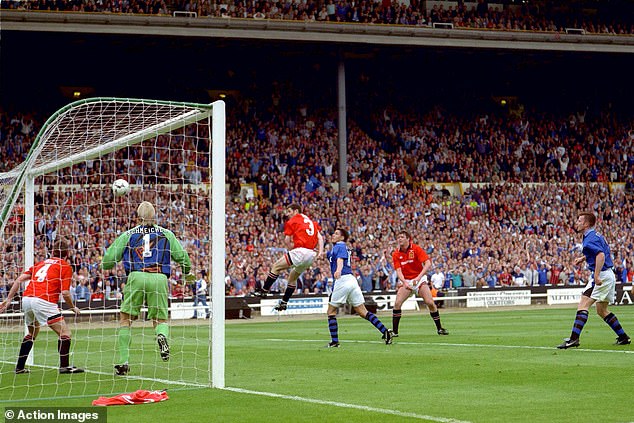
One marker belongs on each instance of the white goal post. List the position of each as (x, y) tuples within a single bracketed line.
[(92, 129)]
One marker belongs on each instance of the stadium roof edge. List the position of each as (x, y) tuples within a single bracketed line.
[(310, 32)]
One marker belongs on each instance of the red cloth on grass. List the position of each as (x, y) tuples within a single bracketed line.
[(137, 397)]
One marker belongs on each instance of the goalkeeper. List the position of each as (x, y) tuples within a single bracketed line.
[(146, 252)]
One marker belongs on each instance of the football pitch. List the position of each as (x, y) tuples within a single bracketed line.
[(495, 366)]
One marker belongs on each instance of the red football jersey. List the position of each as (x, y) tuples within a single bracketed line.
[(141, 396), (303, 230), (411, 261), (48, 279)]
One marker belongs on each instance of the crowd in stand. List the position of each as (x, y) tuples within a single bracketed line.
[(489, 148), (527, 17), (515, 228)]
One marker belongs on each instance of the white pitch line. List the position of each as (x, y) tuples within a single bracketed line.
[(344, 405), (447, 344), (128, 377), (91, 395)]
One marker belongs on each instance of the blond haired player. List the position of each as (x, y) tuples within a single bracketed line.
[(146, 252)]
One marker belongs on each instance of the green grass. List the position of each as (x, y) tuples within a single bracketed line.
[(495, 366)]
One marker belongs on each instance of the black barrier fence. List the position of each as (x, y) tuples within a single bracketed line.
[(377, 301), (107, 310)]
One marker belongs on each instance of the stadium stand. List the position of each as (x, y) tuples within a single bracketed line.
[(291, 157), (536, 16)]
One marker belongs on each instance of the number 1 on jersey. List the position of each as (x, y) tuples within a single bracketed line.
[(147, 249)]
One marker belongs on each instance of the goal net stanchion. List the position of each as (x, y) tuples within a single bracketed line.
[(173, 156)]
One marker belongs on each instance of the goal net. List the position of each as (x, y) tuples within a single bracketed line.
[(172, 155)]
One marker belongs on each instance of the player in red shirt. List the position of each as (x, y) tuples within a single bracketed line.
[(302, 236), (412, 264), (44, 283)]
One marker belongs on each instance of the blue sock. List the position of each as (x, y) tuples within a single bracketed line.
[(371, 317), (611, 320), (580, 322), (334, 329)]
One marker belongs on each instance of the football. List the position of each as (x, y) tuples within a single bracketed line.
[(120, 187)]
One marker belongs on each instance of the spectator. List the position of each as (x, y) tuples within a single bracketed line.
[(518, 277), (200, 294), (366, 277), (82, 292), (97, 294), (468, 278), (491, 279), (505, 278)]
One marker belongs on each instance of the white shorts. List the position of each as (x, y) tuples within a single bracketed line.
[(422, 281), (42, 311), (413, 288), (346, 290), (300, 259), (606, 292)]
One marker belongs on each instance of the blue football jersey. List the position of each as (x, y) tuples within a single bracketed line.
[(340, 251)]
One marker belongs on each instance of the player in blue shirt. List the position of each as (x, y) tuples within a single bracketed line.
[(600, 288), (346, 290)]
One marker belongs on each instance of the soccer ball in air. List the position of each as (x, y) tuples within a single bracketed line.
[(120, 187)]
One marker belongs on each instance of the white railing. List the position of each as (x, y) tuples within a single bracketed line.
[(184, 14)]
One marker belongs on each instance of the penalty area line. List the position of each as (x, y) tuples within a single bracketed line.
[(345, 405)]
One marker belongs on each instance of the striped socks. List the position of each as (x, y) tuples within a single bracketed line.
[(334, 329), (613, 322), (580, 322), (371, 317)]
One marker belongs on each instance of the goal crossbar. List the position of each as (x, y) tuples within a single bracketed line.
[(129, 139), (176, 115)]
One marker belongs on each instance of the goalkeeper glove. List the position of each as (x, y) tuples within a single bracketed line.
[(189, 278)]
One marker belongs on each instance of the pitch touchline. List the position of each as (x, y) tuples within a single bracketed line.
[(447, 344), (344, 405)]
